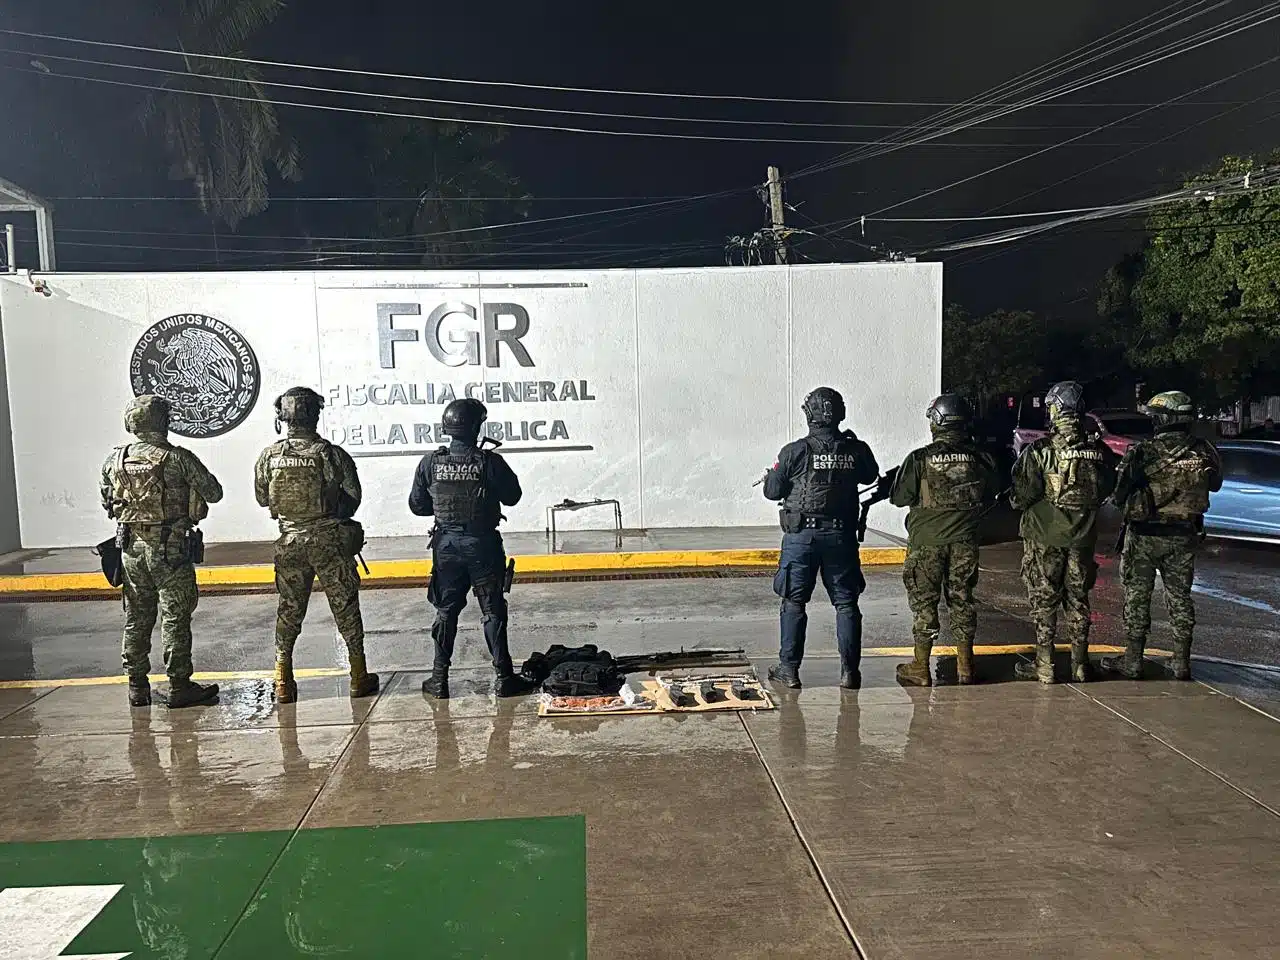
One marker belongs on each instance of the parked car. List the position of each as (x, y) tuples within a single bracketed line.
[(1119, 429), (1248, 505)]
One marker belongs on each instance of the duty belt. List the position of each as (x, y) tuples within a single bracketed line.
[(821, 523)]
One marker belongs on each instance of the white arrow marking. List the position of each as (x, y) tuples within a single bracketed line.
[(38, 923)]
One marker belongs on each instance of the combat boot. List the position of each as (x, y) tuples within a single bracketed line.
[(191, 694), (1128, 666), (286, 687), (507, 684), (1041, 670), (139, 692), (850, 678), (437, 685), (363, 683), (1081, 668), (1180, 662), (916, 673), (786, 675), (964, 663)]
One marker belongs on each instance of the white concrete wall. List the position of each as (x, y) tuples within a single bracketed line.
[(10, 535), (693, 381)]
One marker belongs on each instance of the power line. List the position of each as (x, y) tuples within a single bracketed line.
[(321, 68)]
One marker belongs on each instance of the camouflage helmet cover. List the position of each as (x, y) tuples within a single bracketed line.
[(1171, 406), (299, 405), (949, 410), (147, 413), (823, 407)]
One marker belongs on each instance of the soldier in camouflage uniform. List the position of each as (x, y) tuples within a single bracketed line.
[(1163, 487), (948, 485), (158, 492), (312, 489), (1059, 483)]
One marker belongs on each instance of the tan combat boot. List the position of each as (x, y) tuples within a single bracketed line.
[(1081, 669), (286, 686), (964, 662), (916, 673), (1042, 669), (363, 683)]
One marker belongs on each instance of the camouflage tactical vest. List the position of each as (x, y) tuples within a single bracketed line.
[(297, 489), (1177, 472), (458, 495), (1073, 477), (954, 477), (139, 492), (829, 486)]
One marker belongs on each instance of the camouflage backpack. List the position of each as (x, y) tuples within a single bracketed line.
[(138, 490), (954, 478), (1073, 480), (297, 488)]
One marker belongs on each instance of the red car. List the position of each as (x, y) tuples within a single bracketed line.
[(1119, 429)]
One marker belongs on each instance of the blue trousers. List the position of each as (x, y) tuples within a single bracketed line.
[(834, 555), (462, 562)]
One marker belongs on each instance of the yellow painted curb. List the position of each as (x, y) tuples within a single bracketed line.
[(392, 570), (311, 673)]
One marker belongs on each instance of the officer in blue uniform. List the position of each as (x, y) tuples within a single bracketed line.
[(463, 486), (817, 479)]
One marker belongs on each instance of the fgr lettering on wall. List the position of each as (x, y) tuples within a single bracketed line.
[(203, 367), (455, 336)]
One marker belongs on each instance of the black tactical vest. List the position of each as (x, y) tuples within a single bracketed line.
[(829, 485), (456, 485)]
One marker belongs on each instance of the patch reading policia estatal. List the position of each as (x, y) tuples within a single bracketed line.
[(834, 461), (445, 472)]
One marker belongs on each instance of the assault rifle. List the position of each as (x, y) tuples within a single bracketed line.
[(882, 490)]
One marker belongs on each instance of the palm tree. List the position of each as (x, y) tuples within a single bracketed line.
[(226, 148)]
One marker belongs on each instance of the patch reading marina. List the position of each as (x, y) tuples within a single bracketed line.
[(203, 367)]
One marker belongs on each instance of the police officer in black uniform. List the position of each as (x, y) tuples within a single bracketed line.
[(817, 480), (462, 486)]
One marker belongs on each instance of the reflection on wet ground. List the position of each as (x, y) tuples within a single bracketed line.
[(1000, 820)]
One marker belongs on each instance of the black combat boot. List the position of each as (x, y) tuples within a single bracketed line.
[(1128, 666), (850, 677), (437, 685), (786, 675), (916, 673), (964, 662), (1041, 669), (507, 684), (363, 683), (1081, 668), (139, 692), (191, 694)]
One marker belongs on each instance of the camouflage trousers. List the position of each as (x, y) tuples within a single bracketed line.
[(157, 583), (301, 558), (931, 573), (1058, 578), (1174, 558)]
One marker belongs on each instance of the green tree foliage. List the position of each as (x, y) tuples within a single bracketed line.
[(1201, 304), (1002, 352), (226, 148), (451, 169)]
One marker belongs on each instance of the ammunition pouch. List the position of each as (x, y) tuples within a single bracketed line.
[(351, 537), (193, 545), (791, 521)]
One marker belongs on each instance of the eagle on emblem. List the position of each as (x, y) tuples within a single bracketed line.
[(196, 372)]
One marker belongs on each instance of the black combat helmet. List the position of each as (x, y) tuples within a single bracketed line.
[(462, 418), (949, 411), (1064, 399), (300, 406), (823, 407)]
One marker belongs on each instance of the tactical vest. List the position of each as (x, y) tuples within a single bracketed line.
[(829, 485), (458, 494), (1073, 477), (954, 478), (1177, 488), (139, 492), (297, 489)]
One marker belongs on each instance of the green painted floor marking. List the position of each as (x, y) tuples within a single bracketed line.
[(468, 889)]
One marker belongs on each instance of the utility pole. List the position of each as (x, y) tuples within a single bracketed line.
[(776, 212)]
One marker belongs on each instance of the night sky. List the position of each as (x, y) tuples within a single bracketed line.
[(66, 138)]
